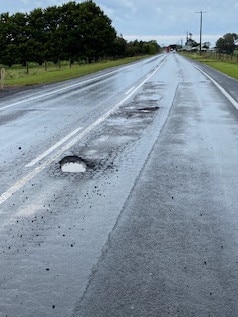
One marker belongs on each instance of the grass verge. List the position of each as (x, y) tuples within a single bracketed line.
[(17, 75), (227, 67)]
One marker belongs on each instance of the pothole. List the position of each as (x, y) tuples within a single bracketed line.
[(72, 164)]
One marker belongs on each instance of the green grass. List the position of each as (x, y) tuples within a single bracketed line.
[(228, 67), (17, 75)]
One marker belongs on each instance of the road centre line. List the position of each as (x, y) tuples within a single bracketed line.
[(24, 180), (54, 147), (223, 91), (130, 90)]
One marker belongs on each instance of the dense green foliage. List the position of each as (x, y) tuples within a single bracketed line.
[(73, 31), (226, 44)]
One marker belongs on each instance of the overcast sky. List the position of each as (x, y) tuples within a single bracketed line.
[(166, 21)]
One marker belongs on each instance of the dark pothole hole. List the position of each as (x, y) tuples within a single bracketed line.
[(73, 164)]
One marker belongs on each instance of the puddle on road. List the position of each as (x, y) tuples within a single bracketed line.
[(73, 164)]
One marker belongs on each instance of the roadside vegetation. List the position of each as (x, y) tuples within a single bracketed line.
[(225, 63), (224, 58), (18, 75), (75, 39)]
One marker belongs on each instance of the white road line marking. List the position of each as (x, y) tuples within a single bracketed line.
[(51, 149), (20, 183), (24, 180), (223, 91), (57, 91), (130, 90)]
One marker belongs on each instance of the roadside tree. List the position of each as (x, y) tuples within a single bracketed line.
[(226, 44)]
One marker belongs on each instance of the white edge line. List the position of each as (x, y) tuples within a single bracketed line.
[(20, 183), (57, 90), (223, 91), (61, 89)]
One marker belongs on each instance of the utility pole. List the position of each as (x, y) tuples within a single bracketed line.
[(201, 13)]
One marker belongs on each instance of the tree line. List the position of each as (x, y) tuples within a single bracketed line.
[(73, 31)]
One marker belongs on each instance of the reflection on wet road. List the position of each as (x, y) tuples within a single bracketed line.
[(118, 195)]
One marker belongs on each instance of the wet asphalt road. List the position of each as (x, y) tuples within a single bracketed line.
[(151, 228)]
